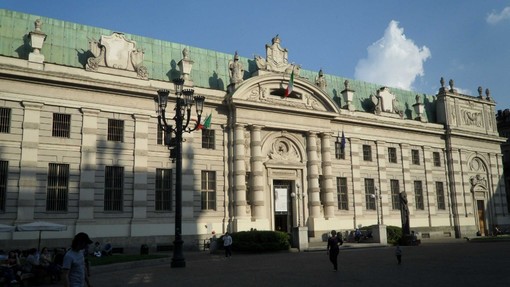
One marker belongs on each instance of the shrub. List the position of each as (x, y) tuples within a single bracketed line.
[(258, 241), (393, 233)]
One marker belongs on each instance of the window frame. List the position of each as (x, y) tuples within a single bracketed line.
[(418, 195), (339, 151), (163, 190), (441, 200), (342, 193), (208, 190), (370, 194), (113, 189), (115, 130), (4, 180), (208, 138), (395, 194), (436, 158), (392, 154), (57, 187), (61, 127), (5, 120), (415, 156), (367, 152)]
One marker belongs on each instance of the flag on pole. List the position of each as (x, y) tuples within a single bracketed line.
[(206, 124), (290, 87), (342, 141)]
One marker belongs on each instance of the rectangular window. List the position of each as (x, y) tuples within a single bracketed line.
[(418, 195), (160, 135), (415, 156), (61, 125), (343, 203), (208, 191), (441, 204), (4, 171), (208, 138), (370, 193), (115, 130), (58, 187), (437, 158), (367, 153), (395, 194), (392, 154), (5, 120), (339, 151), (113, 188), (163, 188)]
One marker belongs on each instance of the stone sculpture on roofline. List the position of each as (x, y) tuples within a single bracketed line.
[(276, 60)]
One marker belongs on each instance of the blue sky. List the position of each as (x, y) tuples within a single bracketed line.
[(407, 44)]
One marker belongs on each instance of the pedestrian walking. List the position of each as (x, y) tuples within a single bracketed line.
[(398, 253), (333, 249), (74, 268), (227, 244)]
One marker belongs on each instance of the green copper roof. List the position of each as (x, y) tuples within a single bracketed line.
[(68, 44)]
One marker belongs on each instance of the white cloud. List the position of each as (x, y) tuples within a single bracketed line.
[(393, 60), (495, 18)]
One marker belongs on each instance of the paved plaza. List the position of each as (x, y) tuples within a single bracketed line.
[(431, 264)]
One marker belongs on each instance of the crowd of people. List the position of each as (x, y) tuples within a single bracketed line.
[(17, 265)]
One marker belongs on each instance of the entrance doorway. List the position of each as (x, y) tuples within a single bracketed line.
[(282, 205), (481, 217)]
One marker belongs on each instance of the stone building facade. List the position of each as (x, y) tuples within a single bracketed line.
[(81, 146)]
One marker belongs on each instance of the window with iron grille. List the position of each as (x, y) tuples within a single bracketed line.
[(115, 130), (4, 171), (208, 192), (437, 158), (343, 203), (58, 187), (395, 194), (367, 153), (418, 195), (113, 188), (208, 138), (5, 120), (163, 189), (370, 193), (441, 205), (392, 154), (415, 156), (339, 151), (61, 125)]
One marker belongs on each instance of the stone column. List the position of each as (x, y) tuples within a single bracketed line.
[(314, 200), (356, 201), (382, 182), (406, 175), (88, 164), (430, 185), (327, 172), (140, 168), (29, 161), (239, 178), (257, 173)]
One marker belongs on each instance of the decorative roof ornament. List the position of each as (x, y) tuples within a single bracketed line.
[(116, 52), (37, 38), (385, 102), (276, 59), (488, 94), (452, 90), (185, 65), (480, 91), (236, 72), (348, 97)]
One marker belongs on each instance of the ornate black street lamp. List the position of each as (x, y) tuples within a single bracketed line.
[(173, 140)]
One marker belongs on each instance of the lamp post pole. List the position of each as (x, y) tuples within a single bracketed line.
[(173, 139)]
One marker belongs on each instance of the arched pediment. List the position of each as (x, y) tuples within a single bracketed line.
[(282, 147), (269, 89)]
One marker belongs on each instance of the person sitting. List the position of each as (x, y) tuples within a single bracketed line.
[(7, 271), (97, 249), (107, 250), (46, 260)]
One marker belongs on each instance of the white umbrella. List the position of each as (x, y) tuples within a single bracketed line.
[(41, 226), (6, 228)]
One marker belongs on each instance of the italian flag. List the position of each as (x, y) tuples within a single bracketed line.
[(290, 87), (206, 124)]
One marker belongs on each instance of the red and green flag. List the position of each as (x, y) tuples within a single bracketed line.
[(290, 87), (206, 124)]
